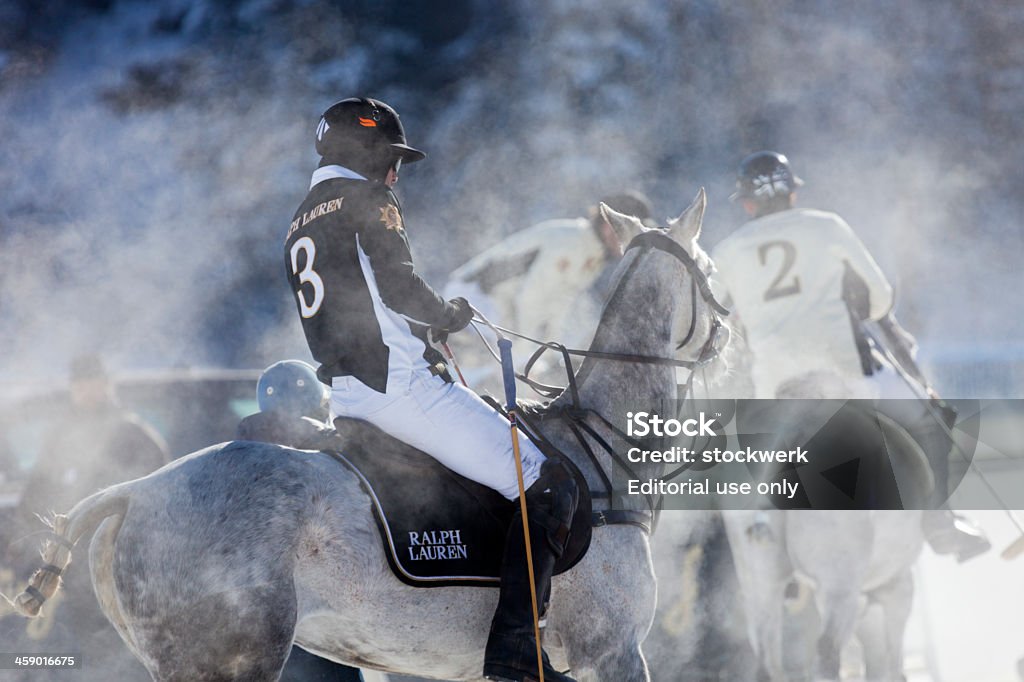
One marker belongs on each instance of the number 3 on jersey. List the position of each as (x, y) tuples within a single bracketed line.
[(779, 288), (307, 276)]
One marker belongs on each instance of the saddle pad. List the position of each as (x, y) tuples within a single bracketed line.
[(438, 528)]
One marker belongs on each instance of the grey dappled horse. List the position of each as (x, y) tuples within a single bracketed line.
[(210, 567), (857, 564)]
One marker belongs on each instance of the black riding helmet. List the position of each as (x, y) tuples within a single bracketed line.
[(364, 135), (763, 176)]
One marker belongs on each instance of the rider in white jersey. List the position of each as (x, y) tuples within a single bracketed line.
[(804, 285), (785, 271), (534, 278)]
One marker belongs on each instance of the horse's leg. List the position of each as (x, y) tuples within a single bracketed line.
[(101, 566), (838, 608), (603, 658), (871, 635), (245, 634), (621, 663), (896, 599), (602, 609), (226, 614), (832, 548), (762, 569), (699, 629), (723, 646)]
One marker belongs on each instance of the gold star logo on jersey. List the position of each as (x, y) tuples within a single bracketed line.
[(391, 218)]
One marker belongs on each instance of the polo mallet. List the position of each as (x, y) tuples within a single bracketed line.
[(508, 375), (1014, 550), (917, 383)]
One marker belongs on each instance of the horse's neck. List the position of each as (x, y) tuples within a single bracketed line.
[(613, 387), (632, 324)]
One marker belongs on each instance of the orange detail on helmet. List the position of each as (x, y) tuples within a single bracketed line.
[(367, 122)]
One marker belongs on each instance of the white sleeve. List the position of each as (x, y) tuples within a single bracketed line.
[(552, 284), (509, 250), (853, 251)]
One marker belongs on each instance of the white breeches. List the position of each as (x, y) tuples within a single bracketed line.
[(448, 422)]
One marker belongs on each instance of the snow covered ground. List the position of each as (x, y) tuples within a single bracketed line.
[(967, 624)]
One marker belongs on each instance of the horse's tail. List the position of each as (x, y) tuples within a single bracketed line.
[(66, 530)]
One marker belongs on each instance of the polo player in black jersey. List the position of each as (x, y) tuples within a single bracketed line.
[(366, 314)]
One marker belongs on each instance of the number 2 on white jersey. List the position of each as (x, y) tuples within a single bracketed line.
[(778, 288), (307, 276)]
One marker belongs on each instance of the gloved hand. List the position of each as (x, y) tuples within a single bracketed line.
[(459, 315)]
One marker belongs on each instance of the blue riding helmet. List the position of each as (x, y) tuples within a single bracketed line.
[(292, 387)]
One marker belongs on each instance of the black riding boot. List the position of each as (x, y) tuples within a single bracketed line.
[(511, 654), (930, 425), (949, 533)]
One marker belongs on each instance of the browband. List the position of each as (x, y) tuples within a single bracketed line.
[(657, 239)]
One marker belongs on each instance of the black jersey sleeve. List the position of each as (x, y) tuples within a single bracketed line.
[(384, 241)]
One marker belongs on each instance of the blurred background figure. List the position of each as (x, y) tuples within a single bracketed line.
[(547, 281), (94, 444), (294, 409), (532, 278)]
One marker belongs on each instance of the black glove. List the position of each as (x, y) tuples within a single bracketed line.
[(460, 315), (457, 318)]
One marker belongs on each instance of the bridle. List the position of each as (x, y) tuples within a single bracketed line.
[(575, 415), (656, 239), (698, 283)]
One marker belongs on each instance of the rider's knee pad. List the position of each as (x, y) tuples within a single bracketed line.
[(551, 502)]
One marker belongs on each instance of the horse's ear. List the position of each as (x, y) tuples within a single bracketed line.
[(686, 228), (625, 226)]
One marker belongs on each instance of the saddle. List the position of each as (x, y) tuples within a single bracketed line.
[(439, 529)]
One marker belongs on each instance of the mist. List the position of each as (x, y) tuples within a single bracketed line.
[(154, 152)]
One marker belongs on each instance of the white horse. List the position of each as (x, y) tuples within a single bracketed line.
[(211, 567), (850, 561)]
